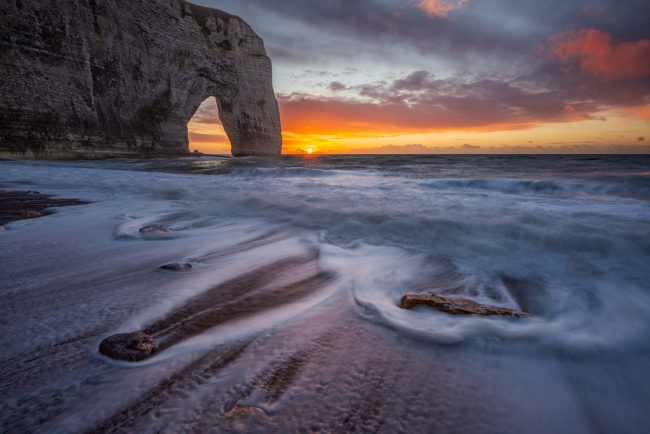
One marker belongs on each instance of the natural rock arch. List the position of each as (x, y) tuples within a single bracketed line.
[(205, 129), (124, 77)]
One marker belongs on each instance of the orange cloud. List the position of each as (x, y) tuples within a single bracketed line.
[(638, 112), (598, 53), (351, 118), (323, 121), (439, 8), (325, 124)]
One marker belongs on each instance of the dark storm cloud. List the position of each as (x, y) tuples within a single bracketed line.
[(504, 59), (507, 33), (481, 26), (483, 99), (419, 101), (337, 86)]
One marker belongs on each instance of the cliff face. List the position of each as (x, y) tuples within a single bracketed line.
[(96, 78)]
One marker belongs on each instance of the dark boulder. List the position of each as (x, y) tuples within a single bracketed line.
[(177, 266), (131, 347)]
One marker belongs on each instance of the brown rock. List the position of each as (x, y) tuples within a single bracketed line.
[(239, 412), (151, 229), (131, 347), (458, 306), (177, 266), (27, 213)]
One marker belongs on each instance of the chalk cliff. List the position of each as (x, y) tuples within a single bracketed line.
[(94, 78)]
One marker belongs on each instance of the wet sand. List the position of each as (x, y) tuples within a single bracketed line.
[(328, 369)]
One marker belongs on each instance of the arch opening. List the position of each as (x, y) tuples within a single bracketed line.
[(205, 132)]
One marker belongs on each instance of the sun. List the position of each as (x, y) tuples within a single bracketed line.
[(309, 150)]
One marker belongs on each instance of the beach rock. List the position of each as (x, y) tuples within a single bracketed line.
[(458, 306), (131, 347), (177, 266), (97, 79), (239, 412), (155, 229), (27, 213)]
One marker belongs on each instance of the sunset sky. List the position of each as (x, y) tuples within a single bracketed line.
[(451, 76)]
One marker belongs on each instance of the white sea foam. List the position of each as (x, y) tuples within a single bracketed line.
[(590, 281)]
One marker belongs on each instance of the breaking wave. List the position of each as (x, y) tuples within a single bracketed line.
[(630, 186), (273, 172)]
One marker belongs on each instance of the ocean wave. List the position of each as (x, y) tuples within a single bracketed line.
[(273, 172), (569, 317), (580, 249), (499, 184), (637, 187)]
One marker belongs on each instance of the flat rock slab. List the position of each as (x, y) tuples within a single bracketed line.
[(130, 347), (21, 205), (458, 306)]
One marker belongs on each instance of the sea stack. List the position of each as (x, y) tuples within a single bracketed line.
[(96, 79)]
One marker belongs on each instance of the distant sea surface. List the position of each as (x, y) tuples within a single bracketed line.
[(565, 238)]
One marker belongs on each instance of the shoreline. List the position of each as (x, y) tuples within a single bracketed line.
[(273, 294)]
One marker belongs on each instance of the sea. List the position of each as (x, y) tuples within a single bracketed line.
[(317, 251)]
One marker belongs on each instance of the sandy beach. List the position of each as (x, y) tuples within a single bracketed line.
[(273, 296)]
